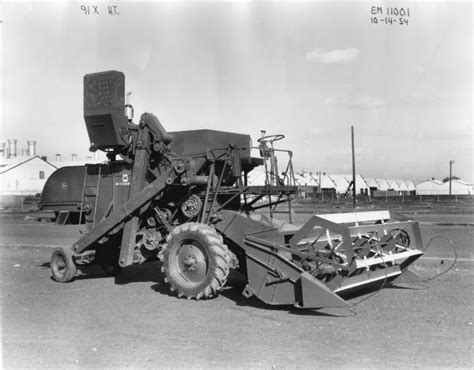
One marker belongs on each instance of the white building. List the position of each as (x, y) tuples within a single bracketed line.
[(402, 186), (458, 187), (393, 185), (305, 179), (383, 185), (326, 182), (256, 177), (24, 175), (371, 183), (22, 172), (342, 183), (410, 185), (429, 187)]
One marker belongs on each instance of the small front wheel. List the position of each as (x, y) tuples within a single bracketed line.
[(63, 268)]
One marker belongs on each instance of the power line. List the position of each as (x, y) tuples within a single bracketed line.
[(413, 134)]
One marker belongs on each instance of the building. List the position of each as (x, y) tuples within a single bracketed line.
[(402, 187), (305, 179), (340, 182), (458, 187), (256, 177), (429, 187), (411, 186), (393, 185), (24, 175), (383, 185), (327, 183), (307, 184), (372, 184)]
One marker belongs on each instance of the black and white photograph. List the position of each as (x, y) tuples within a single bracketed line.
[(236, 184)]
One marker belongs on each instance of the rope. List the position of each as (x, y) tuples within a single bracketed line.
[(431, 278)]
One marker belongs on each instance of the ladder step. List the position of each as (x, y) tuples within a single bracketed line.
[(62, 217)]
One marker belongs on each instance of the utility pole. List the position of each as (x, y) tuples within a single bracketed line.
[(451, 162), (354, 191), (319, 185)]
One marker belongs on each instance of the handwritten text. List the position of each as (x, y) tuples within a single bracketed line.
[(97, 10), (389, 15)]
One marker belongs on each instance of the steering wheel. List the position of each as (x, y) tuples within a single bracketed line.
[(271, 138)]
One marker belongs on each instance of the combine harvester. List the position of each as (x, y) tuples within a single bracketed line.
[(183, 197)]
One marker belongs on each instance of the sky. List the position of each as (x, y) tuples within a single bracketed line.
[(307, 70)]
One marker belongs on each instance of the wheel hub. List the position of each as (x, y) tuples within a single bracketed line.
[(60, 265), (191, 263)]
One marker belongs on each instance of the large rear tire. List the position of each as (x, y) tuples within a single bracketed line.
[(63, 267), (195, 261)]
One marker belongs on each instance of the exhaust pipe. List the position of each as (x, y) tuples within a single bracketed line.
[(31, 148), (12, 148)]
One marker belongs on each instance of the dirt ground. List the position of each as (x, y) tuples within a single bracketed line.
[(134, 322)]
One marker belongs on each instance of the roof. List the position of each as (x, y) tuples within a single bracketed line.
[(410, 185), (462, 182), (305, 179), (327, 183), (437, 182), (359, 179), (402, 185), (383, 185), (339, 178), (392, 184), (256, 176), (371, 182), (8, 164), (458, 183)]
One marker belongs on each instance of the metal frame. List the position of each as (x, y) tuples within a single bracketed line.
[(312, 266)]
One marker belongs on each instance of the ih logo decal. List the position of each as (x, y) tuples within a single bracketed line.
[(64, 185), (125, 181)]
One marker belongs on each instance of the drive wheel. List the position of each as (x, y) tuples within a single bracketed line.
[(195, 261), (63, 268)]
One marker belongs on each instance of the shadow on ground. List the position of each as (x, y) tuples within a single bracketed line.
[(151, 272)]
